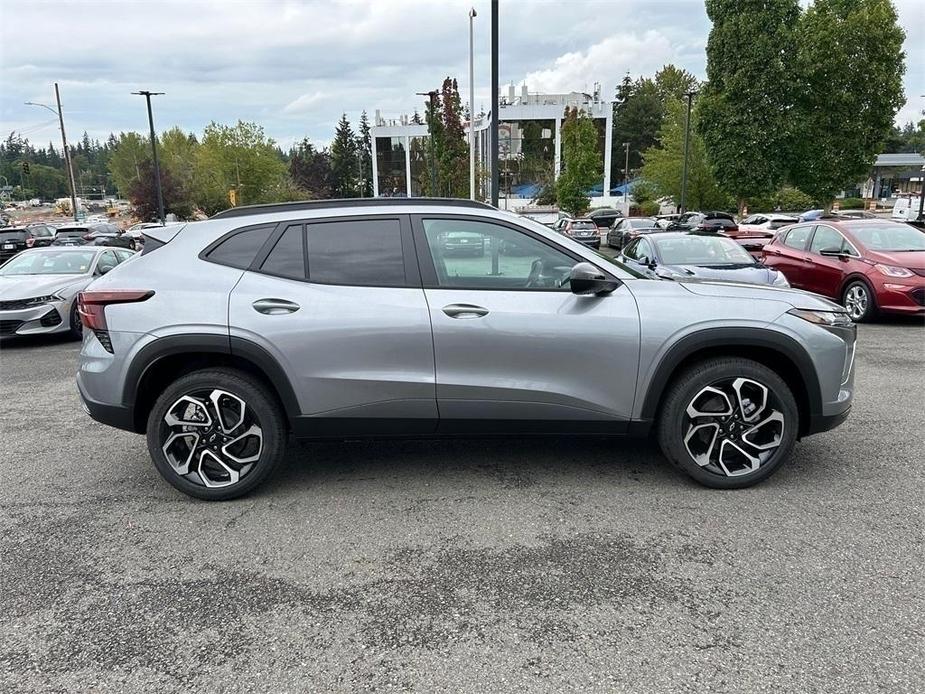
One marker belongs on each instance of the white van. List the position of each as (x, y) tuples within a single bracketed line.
[(906, 208)]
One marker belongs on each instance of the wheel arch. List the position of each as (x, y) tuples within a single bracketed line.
[(779, 352), (857, 277), (166, 359)]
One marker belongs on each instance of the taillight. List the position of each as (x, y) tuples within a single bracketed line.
[(87, 237), (30, 242), (91, 306)]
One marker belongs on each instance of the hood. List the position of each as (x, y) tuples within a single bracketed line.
[(795, 297), (909, 259), (28, 286), (749, 274)]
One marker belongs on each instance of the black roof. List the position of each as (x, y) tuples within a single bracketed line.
[(247, 210)]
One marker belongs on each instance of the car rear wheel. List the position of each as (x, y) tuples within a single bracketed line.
[(858, 300), (728, 422), (216, 434)]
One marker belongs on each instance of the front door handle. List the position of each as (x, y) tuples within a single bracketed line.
[(273, 307), (465, 311)]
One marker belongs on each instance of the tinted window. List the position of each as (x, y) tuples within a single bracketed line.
[(241, 249), (796, 237), (287, 258), (358, 252), (498, 257), (826, 238)]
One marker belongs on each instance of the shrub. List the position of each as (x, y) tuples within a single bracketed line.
[(649, 208), (851, 204)]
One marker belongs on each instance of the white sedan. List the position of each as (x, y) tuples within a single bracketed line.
[(39, 287)]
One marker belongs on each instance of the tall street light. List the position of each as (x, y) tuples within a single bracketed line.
[(157, 168), (687, 143), (67, 154), (432, 96), (626, 178), (472, 16), (495, 169)]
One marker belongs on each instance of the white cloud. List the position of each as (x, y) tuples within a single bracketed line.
[(304, 103)]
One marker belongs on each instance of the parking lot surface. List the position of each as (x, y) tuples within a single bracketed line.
[(485, 565)]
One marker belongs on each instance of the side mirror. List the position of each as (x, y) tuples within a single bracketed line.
[(834, 252), (103, 269), (585, 279), (651, 264)]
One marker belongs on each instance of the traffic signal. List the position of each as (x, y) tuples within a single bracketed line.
[(25, 167), (233, 197)]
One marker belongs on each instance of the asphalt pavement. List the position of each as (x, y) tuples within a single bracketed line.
[(470, 566)]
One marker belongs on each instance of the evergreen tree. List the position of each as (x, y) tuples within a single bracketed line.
[(344, 160), (745, 112), (310, 170), (364, 146)]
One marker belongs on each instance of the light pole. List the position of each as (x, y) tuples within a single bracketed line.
[(687, 142), (67, 154), (472, 16), (626, 178), (432, 96), (157, 169), (495, 172)]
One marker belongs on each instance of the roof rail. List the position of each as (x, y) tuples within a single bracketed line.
[(247, 210)]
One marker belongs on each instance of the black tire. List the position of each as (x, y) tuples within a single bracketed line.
[(859, 300), (674, 423), (75, 326), (264, 409)]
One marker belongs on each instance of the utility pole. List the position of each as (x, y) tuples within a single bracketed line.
[(157, 168), (495, 170), (472, 16), (687, 142), (432, 96), (67, 154), (626, 178)]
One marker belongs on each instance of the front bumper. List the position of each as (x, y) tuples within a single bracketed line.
[(52, 317), (820, 423), (902, 296)]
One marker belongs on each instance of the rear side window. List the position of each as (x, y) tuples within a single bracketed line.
[(240, 249), (796, 237), (364, 252), (287, 259)]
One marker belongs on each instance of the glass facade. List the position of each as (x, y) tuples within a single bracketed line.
[(419, 165), (390, 162), (527, 152)]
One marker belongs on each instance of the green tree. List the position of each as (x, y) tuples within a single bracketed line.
[(581, 161), (310, 170), (344, 160), (850, 64), (745, 112), (365, 156), (664, 164), (453, 150), (239, 157), (143, 195), (131, 151), (177, 154)]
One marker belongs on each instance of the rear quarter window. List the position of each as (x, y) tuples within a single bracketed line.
[(240, 248)]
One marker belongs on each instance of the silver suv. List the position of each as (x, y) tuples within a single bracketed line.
[(335, 319)]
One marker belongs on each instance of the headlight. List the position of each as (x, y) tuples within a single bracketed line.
[(893, 271), (780, 281), (38, 300), (834, 319)]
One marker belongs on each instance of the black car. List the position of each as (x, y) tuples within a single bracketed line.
[(693, 220), (705, 255), (100, 234), (583, 230), (16, 239), (626, 229), (604, 217)]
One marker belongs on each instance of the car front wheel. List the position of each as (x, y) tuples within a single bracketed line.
[(858, 300), (216, 434), (728, 422)]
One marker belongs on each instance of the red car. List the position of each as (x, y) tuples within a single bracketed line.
[(868, 265)]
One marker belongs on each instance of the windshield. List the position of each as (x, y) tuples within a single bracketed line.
[(8, 234), (643, 223), (889, 237), (583, 224), (702, 250), (49, 263)]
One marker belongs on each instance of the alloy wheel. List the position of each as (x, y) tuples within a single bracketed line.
[(211, 437), (856, 302), (733, 426)]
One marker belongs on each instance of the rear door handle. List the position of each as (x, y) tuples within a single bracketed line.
[(273, 307), (465, 311)]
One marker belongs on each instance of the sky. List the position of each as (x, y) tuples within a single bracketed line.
[(294, 67)]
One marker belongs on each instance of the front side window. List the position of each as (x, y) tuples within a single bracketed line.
[(644, 252), (240, 249), (106, 262), (480, 255), (827, 239), (361, 252), (797, 237)]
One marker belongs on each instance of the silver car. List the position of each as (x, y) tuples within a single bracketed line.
[(332, 319), (38, 287)]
